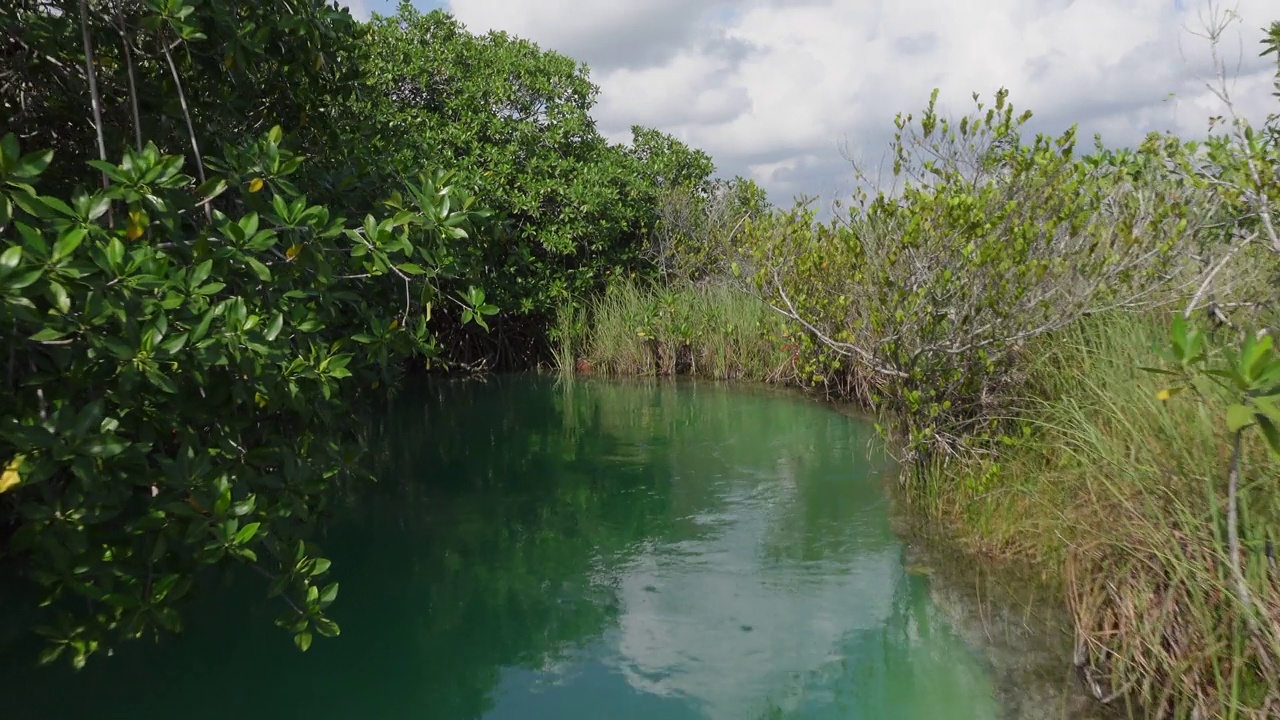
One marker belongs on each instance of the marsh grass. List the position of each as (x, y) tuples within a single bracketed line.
[(566, 336), (709, 330), (1122, 495)]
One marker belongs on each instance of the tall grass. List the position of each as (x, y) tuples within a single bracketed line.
[(709, 330), (1122, 494), (566, 337)]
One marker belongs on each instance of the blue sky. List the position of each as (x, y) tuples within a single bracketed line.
[(785, 91), (386, 7)]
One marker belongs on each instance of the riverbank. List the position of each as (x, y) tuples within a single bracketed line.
[(1119, 494), (1111, 500), (1012, 617)]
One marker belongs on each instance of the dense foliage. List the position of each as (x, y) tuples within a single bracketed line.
[(191, 322), (232, 69), (928, 295), (128, 348), (514, 121)]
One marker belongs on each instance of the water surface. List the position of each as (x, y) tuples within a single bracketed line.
[(598, 550)]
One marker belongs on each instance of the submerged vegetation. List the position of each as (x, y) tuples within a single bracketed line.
[(215, 254)]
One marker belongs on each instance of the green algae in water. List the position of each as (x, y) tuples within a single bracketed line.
[(598, 550)]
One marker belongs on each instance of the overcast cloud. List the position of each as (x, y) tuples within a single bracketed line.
[(773, 89)]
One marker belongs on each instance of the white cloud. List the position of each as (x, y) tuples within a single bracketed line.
[(707, 94), (605, 33), (771, 88), (359, 8)]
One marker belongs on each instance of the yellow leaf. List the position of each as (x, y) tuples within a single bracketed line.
[(230, 61), (10, 478), (395, 324), (293, 251), (137, 223), (261, 399), (255, 185)]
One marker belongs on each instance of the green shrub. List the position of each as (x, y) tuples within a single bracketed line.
[(930, 294), (132, 325)]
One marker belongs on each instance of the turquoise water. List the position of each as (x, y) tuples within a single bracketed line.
[(599, 550)]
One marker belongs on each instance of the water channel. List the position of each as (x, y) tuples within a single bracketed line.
[(542, 551)]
